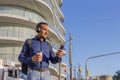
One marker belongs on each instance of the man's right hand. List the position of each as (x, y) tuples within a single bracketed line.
[(37, 57)]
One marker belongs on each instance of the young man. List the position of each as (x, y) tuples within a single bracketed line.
[(39, 55)]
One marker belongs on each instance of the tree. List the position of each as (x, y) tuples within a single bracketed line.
[(117, 75)]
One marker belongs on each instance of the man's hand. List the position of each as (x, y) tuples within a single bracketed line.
[(37, 57), (60, 53)]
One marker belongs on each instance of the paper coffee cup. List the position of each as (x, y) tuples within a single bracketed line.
[(39, 54)]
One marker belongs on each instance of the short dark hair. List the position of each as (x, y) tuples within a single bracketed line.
[(40, 23)]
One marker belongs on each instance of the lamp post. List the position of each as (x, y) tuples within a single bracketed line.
[(70, 55), (86, 70)]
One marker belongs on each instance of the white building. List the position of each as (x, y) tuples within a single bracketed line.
[(17, 23)]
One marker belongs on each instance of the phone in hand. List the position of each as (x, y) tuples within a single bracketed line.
[(62, 47)]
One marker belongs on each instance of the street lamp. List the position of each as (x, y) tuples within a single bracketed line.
[(79, 72), (70, 55), (86, 70)]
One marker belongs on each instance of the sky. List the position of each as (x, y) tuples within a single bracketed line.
[(95, 28)]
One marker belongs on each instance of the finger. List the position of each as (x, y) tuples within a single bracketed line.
[(38, 54), (60, 50)]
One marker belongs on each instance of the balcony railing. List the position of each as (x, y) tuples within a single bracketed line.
[(56, 67), (23, 12), (11, 57), (48, 2), (16, 33)]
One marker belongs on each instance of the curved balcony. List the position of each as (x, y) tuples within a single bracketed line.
[(63, 76), (22, 20), (60, 26), (61, 16), (51, 37), (16, 19), (56, 18), (60, 2), (16, 30), (37, 5), (63, 64), (61, 38), (60, 31), (9, 57), (11, 33), (53, 69), (49, 3), (14, 40)]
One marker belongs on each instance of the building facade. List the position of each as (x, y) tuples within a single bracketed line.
[(17, 23), (102, 77)]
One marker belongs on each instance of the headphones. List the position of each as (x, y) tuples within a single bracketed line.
[(38, 26), (37, 29)]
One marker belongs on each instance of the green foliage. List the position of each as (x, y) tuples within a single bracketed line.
[(117, 75)]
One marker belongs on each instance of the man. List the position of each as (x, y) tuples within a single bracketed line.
[(39, 55)]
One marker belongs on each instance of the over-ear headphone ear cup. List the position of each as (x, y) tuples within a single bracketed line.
[(37, 28)]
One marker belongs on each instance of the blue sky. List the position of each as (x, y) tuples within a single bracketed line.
[(95, 27)]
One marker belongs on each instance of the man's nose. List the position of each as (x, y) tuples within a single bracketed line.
[(46, 32)]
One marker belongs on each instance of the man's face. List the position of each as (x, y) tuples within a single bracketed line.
[(43, 31)]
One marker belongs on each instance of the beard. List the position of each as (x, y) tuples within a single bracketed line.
[(43, 36)]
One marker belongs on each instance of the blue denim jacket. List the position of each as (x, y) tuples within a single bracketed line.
[(37, 46)]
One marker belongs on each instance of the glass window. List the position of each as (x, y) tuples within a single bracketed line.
[(8, 52), (31, 15), (16, 30)]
